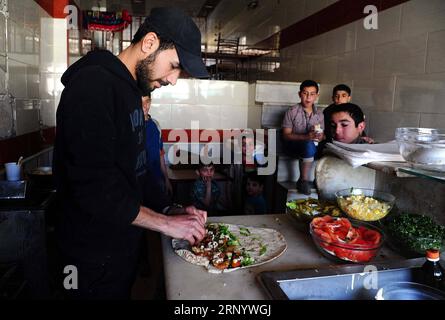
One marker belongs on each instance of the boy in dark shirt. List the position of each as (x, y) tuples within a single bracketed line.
[(255, 202)]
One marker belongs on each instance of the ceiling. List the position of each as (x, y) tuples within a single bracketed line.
[(212, 16)]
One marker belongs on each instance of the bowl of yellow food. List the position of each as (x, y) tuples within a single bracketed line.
[(365, 204)]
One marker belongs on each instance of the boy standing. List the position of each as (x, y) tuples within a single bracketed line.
[(340, 94), (299, 133), (155, 148)]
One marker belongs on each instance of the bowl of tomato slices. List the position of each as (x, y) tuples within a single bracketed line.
[(345, 240)]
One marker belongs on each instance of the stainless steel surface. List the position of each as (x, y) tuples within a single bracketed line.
[(409, 291), (184, 280), (12, 189), (338, 282)]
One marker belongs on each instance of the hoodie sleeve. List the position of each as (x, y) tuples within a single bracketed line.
[(92, 151)]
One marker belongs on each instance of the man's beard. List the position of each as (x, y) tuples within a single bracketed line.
[(144, 73)]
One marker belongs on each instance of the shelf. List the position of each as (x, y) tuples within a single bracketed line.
[(434, 175), (402, 170)]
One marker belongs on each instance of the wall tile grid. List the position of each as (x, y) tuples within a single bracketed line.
[(215, 104), (37, 58), (397, 73)]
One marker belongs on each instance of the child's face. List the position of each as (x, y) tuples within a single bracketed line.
[(253, 188), (344, 129), (248, 146), (308, 96), (206, 172), (341, 96), (146, 104)]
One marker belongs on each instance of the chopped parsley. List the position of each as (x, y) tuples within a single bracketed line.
[(263, 249), (244, 231)]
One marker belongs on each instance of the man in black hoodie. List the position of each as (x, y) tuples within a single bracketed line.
[(105, 194)]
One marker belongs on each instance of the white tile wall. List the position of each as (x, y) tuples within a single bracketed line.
[(48, 112), (2, 35), (2, 81), (214, 92), (17, 79), (429, 120), (215, 104), (277, 92), (397, 73), (341, 40), (233, 117), (313, 49), (421, 93), (183, 115), (326, 70), (375, 94), (382, 125), (356, 65), (33, 82), (27, 121), (183, 92), (388, 29), (435, 61), (35, 63), (406, 56), (421, 16), (162, 113), (254, 112)]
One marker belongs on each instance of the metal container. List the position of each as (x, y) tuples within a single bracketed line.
[(408, 291), (12, 189), (42, 177)]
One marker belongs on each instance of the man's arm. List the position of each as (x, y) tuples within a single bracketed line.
[(190, 227), (288, 135)]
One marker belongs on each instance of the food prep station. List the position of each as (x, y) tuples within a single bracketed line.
[(184, 280)]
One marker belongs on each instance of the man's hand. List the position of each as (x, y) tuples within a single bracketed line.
[(368, 140), (201, 214), (189, 227)]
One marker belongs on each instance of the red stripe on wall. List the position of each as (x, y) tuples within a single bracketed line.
[(54, 8), (334, 16), (175, 135)]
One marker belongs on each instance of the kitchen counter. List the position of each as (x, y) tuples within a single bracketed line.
[(184, 280)]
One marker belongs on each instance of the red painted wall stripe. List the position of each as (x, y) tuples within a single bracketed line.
[(334, 16), (54, 7), (196, 135)]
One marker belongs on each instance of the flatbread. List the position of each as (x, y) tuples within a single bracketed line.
[(258, 238)]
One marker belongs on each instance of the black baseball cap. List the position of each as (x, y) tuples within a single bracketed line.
[(175, 25)]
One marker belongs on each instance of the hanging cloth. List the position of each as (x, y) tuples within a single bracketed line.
[(106, 21)]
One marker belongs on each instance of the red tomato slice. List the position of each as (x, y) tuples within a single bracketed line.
[(323, 235), (320, 222), (371, 236)]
